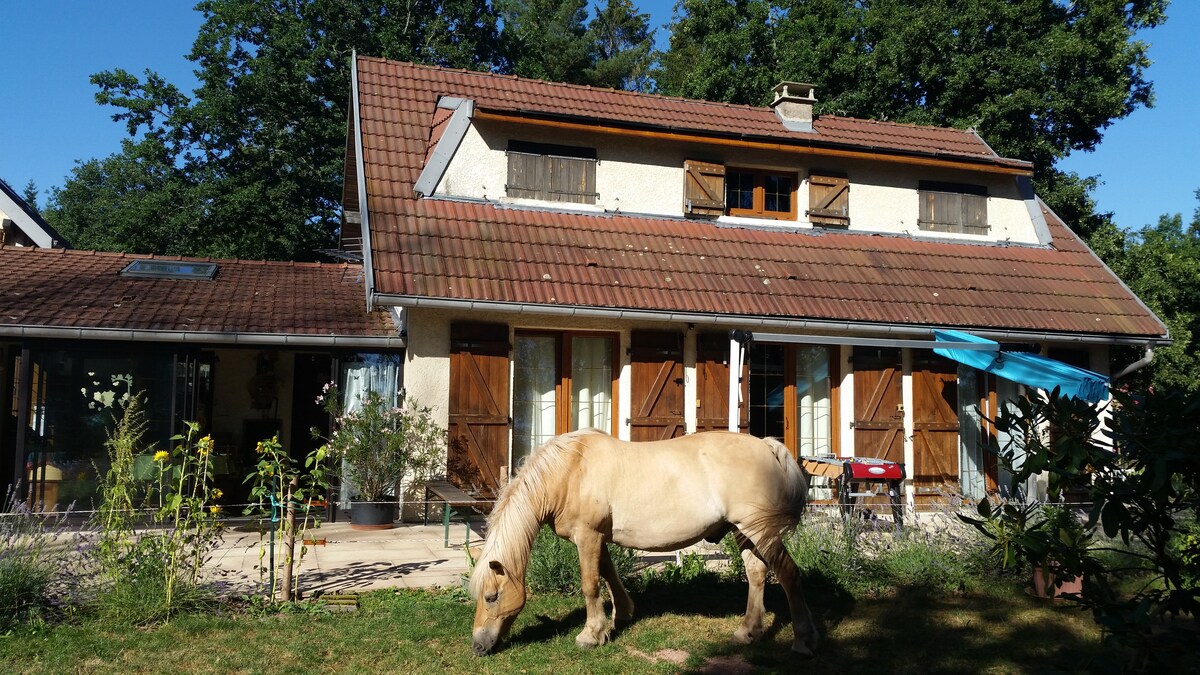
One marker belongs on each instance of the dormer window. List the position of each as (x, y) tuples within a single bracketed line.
[(953, 207), (552, 173)]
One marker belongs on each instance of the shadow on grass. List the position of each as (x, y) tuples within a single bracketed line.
[(912, 630)]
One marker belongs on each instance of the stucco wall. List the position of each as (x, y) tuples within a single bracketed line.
[(647, 177)]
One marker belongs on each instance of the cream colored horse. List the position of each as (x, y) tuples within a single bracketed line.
[(653, 496)]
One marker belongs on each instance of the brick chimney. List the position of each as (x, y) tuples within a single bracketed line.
[(794, 105)]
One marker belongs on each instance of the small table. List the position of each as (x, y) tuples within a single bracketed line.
[(452, 498)]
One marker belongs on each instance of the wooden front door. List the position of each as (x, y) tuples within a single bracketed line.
[(712, 385), (656, 385), (935, 468), (479, 420), (878, 404)]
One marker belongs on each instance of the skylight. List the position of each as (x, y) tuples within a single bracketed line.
[(170, 269)]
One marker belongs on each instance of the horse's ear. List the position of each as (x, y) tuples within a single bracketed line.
[(497, 567)]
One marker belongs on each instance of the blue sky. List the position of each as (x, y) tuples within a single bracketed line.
[(49, 118)]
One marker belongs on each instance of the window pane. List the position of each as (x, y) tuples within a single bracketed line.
[(534, 376), (970, 435), (591, 383), (73, 397), (813, 401), (766, 390), (739, 190), (777, 193)]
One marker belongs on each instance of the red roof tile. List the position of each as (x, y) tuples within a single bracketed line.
[(482, 251), (84, 289), (397, 90)]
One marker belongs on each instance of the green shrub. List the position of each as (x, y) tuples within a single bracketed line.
[(554, 563), (691, 568), (867, 557), (736, 569), (34, 574)]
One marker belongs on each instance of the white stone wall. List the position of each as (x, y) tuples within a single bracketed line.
[(646, 176)]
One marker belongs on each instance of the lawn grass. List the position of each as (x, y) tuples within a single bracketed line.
[(428, 632)]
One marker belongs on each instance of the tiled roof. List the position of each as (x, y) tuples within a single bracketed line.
[(389, 85), (456, 250), (83, 289)]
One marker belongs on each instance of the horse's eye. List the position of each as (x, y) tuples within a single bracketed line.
[(491, 597)]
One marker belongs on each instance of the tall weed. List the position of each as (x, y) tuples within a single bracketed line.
[(146, 572)]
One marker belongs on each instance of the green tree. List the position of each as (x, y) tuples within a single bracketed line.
[(1161, 263), (545, 39), (553, 40), (30, 194), (250, 164), (621, 43)]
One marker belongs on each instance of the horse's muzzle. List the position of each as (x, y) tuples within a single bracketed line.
[(483, 641)]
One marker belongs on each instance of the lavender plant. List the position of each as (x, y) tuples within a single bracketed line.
[(36, 576)]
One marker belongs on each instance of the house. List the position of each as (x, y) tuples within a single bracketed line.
[(22, 225), (242, 347), (563, 257)]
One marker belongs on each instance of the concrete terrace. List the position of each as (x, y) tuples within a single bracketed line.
[(407, 556)]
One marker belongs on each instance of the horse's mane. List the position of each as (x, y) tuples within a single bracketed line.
[(523, 506)]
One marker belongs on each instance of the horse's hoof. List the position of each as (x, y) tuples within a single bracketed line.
[(805, 648), (745, 636), (586, 641)]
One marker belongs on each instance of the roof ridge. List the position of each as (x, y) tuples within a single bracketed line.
[(664, 97), (570, 85)]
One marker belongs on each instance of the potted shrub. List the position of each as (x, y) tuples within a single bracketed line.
[(1056, 572), (376, 444)]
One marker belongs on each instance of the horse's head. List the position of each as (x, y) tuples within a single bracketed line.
[(501, 597)]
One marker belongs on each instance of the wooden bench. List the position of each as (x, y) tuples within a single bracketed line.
[(454, 502)]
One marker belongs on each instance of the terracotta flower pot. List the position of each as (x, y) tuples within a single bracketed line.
[(372, 515), (1045, 583)]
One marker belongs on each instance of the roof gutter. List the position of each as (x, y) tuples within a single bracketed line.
[(849, 327), (200, 337), (364, 212)]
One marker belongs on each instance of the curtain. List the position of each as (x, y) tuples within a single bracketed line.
[(812, 400), (362, 373), (591, 383), (534, 377)]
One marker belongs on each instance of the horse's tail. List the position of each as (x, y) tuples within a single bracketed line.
[(777, 520)]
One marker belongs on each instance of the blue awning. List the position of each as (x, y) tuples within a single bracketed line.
[(1028, 369)]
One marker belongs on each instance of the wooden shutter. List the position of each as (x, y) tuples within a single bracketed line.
[(953, 207), (526, 176), (479, 420), (656, 385), (974, 214), (703, 189), (712, 385), (829, 200), (935, 428), (571, 179), (878, 412)]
